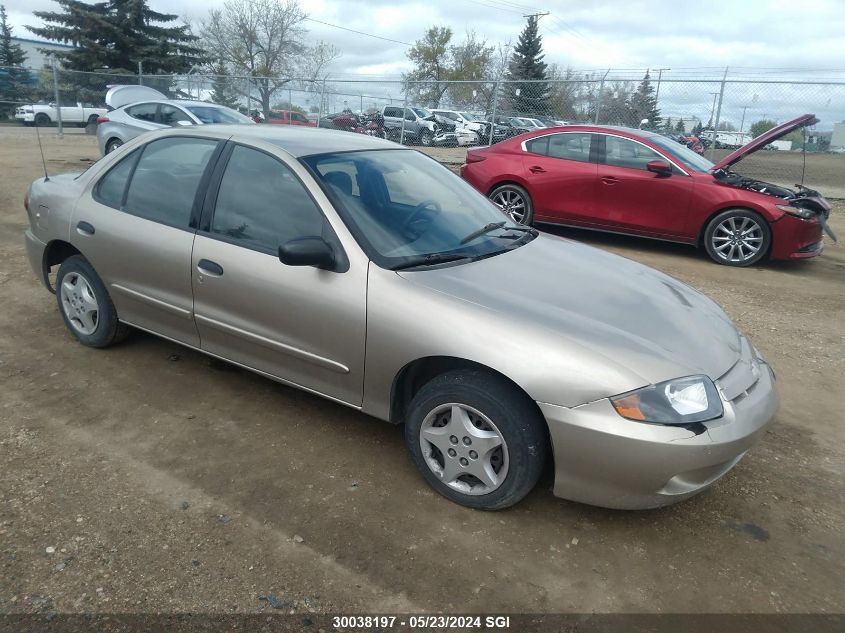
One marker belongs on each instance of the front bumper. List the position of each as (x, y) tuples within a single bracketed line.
[(795, 238), (605, 460)]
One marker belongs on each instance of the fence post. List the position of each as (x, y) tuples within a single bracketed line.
[(59, 128), (290, 105), (140, 73), (493, 115), (322, 96), (404, 107), (718, 114), (601, 96)]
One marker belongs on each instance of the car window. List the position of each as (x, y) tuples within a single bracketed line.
[(276, 115), (110, 189), (409, 115), (143, 111), (623, 152), (171, 115), (538, 145), (218, 114), (296, 116), (165, 181), (262, 204), (572, 146), (395, 112)]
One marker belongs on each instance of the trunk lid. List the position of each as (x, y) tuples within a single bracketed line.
[(119, 96), (764, 139)]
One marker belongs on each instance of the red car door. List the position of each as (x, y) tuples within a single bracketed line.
[(632, 199), (561, 173)]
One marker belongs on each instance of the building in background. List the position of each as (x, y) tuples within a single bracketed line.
[(38, 51), (837, 138)]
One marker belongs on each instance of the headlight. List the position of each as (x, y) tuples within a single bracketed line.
[(680, 401), (800, 212)]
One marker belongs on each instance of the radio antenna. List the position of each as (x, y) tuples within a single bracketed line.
[(41, 149)]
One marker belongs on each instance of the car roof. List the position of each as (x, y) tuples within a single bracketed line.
[(298, 140), (177, 102)]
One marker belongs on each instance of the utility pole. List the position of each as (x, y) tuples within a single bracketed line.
[(537, 15), (657, 91)]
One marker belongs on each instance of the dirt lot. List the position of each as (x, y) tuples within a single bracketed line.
[(150, 478)]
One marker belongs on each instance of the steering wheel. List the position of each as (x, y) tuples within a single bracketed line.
[(416, 216)]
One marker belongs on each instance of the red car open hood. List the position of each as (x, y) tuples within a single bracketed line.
[(764, 139)]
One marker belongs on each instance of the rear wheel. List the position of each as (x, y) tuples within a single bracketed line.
[(426, 137), (113, 144), (42, 120), (476, 439), (515, 202), (85, 305), (737, 237)]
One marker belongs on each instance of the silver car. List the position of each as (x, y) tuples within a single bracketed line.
[(139, 109), (369, 274)]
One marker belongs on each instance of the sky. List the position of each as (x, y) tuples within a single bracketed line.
[(755, 38)]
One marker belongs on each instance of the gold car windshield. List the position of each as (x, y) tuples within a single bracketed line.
[(402, 206)]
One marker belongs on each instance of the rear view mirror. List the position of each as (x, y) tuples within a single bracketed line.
[(659, 167), (307, 251)]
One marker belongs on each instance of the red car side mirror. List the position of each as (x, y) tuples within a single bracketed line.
[(659, 167)]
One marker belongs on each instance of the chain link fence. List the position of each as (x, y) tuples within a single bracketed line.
[(711, 114)]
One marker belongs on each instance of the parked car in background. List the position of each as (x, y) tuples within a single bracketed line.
[(289, 117), (81, 114), (308, 255), (464, 121), (536, 122), (418, 127), (139, 109), (641, 183), (523, 125)]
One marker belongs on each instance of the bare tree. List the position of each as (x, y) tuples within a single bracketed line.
[(265, 40)]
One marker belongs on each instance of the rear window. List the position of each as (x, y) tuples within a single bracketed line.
[(215, 114)]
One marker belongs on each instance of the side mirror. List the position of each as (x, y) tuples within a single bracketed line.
[(659, 167), (307, 251)]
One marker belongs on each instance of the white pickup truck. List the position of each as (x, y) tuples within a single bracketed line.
[(81, 114)]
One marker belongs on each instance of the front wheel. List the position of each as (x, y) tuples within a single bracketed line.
[(85, 305), (476, 439), (737, 237), (42, 120), (426, 138), (515, 202)]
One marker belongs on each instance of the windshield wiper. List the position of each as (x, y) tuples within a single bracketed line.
[(496, 225), (430, 260)]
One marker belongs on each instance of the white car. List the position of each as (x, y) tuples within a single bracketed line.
[(465, 121), (139, 109)]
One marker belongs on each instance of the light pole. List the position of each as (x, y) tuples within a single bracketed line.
[(742, 122), (657, 91)]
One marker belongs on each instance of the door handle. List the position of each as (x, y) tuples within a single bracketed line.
[(209, 267), (609, 180), (536, 169), (85, 228)]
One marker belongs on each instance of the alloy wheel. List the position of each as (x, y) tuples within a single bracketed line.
[(79, 303), (512, 203), (464, 449), (737, 239)]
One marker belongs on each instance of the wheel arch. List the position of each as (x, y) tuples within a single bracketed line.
[(509, 180), (729, 207), (56, 252)]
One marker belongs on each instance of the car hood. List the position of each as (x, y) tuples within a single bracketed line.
[(764, 139), (119, 96), (641, 319)]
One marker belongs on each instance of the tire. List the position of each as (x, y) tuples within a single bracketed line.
[(113, 144), (484, 408), (425, 138), (42, 120), (85, 305), (514, 201), (737, 237)]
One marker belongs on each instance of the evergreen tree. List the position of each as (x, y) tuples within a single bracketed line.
[(667, 124), (679, 126), (117, 34), (223, 89), (527, 63), (643, 105), (14, 79)]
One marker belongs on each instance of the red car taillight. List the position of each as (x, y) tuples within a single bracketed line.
[(102, 119)]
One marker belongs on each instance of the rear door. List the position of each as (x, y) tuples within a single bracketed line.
[(633, 199), (561, 173), (137, 230)]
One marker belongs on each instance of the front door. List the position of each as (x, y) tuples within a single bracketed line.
[(633, 199), (561, 173), (303, 325), (136, 230)]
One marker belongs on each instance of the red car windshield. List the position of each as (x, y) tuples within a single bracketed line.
[(682, 154)]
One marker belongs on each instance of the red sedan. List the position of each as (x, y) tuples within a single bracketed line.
[(641, 183)]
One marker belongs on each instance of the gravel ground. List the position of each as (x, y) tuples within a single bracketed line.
[(149, 478)]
